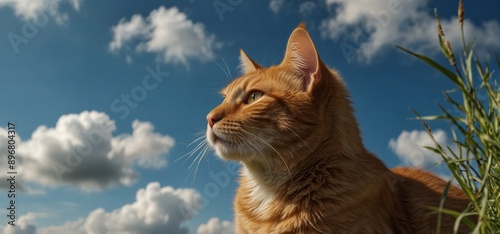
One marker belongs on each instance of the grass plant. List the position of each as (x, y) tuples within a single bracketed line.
[(475, 120)]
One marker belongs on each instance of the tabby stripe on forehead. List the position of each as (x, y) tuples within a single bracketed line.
[(244, 86), (238, 95), (304, 168), (251, 81)]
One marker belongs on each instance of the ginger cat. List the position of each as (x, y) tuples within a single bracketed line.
[(304, 166)]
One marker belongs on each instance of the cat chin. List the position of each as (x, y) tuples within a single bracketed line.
[(229, 151), (229, 157), (224, 149)]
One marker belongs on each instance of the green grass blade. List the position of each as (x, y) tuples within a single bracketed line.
[(452, 76)]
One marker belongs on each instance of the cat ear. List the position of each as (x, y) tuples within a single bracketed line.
[(302, 56), (247, 65)]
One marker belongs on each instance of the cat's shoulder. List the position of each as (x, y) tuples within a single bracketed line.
[(414, 173), (416, 179), (409, 173)]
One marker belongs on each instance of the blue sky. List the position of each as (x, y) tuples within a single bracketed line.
[(107, 97)]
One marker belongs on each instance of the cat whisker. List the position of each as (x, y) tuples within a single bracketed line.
[(274, 149), (291, 130), (200, 150), (201, 137), (190, 153), (264, 58), (227, 67), (198, 159), (226, 70), (254, 148), (300, 138)]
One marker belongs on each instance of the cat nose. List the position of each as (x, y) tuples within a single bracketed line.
[(212, 119)]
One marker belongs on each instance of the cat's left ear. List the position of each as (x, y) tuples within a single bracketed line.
[(247, 65), (302, 56)]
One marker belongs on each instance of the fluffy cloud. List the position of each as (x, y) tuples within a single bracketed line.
[(367, 27), (276, 5), (155, 210), (81, 151), (409, 147), (215, 226), (126, 31), (306, 8), (24, 225), (32, 9), (168, 33)]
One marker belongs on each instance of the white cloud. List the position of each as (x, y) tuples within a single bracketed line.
[(126, 31), (155, 210), (368, 27), (33, 9), (74, 227), (24, 225), (143, 145), (81, 151), (276, 5), (306, 8), (409, 146), (128, 59), (76, 4), (215, 226), (168, 33)]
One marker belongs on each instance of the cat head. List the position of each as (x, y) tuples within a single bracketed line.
[(276, 116)]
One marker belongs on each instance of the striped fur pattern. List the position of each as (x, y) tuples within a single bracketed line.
[(304, 166)]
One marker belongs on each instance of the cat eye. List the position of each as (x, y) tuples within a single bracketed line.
[(254, 96)]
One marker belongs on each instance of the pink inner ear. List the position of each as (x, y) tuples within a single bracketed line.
[(301, 55), (308, 53)]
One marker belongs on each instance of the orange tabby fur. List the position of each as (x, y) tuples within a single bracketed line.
[(304, 166)]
